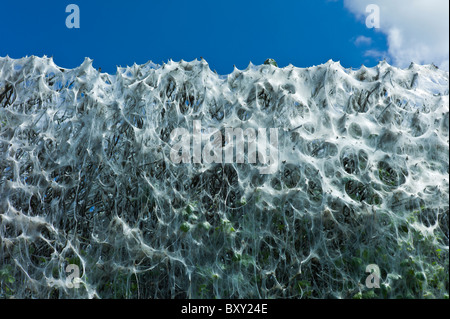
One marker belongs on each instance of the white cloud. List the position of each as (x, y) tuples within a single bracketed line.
[(362, 40), (380, 55), (417, 30)]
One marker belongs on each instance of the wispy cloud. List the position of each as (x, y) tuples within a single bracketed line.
[(377, 54), (362, 40), (416, 30)]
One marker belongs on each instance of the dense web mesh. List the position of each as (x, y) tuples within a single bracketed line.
[(86, 179)]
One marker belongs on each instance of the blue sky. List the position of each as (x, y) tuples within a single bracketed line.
[(225, 33)]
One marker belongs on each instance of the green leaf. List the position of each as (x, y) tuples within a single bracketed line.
[(185, 227), (358, 296)]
